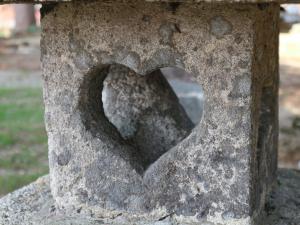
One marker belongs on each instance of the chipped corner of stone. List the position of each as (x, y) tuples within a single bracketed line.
[(43, 180)]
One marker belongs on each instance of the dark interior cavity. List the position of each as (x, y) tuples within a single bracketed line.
[(151, 113)]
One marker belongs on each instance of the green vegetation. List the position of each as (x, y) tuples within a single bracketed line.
[(23, 140), (11, 182)]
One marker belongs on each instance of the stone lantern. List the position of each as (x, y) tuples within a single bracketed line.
[(217, 172)]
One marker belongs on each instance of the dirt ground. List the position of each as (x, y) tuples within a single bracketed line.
[(20, 73)]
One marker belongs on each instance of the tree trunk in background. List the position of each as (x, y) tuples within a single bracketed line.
[(24, 16)]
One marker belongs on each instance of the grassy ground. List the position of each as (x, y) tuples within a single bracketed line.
[(23, 140)]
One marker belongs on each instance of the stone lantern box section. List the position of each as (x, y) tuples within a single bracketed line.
[(220, 173)]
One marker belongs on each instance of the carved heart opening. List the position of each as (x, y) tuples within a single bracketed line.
[(151, 113)]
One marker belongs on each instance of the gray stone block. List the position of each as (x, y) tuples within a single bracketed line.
[(34, 205), (222, 171), (164, 1)]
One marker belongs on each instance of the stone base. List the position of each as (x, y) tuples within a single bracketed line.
[(34, 205)]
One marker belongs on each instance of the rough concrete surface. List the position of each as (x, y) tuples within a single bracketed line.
[(171, 1), (34, 205), (145, 110), (223, 169)]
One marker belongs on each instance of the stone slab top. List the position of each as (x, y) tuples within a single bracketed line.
[(34, 205), (171, 1)]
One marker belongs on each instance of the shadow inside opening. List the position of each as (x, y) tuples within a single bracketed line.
[(152, 113)]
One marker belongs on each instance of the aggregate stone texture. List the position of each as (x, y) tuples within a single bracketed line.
[(145, 110), (223, 169), (34, 205), (166, 1)]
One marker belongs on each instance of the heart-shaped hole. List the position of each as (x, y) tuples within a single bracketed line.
[(152, 113)]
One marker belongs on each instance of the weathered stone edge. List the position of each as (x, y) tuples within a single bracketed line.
[(189, 1), (34, 205)]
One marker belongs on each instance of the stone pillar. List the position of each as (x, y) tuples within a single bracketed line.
[(221, 172)]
